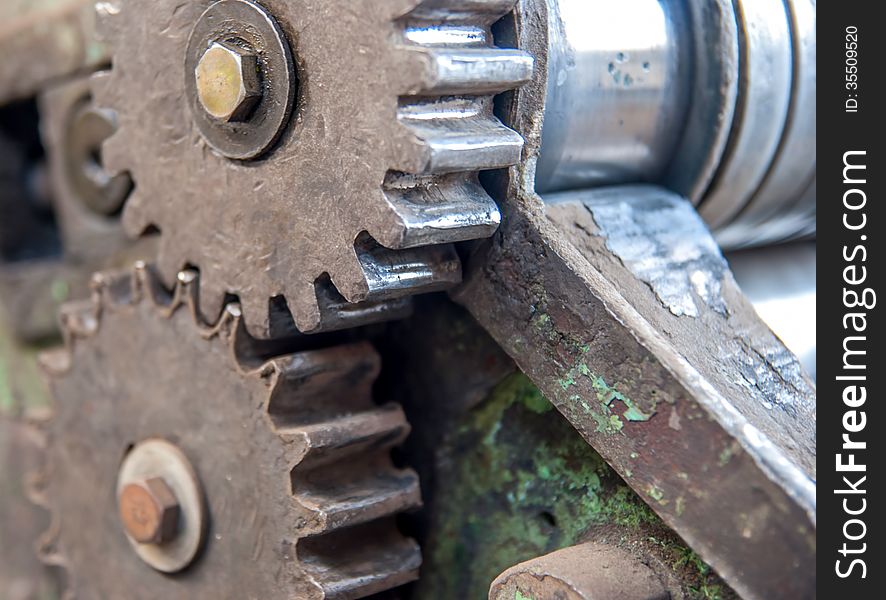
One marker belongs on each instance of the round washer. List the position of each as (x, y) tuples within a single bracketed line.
[(159, 458), (247, 24)]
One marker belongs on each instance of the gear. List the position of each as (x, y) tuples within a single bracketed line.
[(291, 453), (369, 183)]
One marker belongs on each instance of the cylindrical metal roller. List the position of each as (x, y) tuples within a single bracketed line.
[(715, 100), (619, 81)]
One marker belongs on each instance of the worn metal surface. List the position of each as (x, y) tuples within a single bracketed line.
[(712, 417), (762, 109), (617, 104), (661, 239), (291, 451), (716, 80), (588, 571), (715, 100), (393, 120), (45, 40), (780, 283), (794, 165)]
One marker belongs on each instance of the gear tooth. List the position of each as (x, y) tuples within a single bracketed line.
[(101, 84), (333, 440), (304, 306), (345, 372), (351, 279), (475, 71), (209, 296), (360, 492), (360, 561), (55, 362), (135, 215), (168, 263), (256, 315), (483, 11), (79, 319), (398, 273), (440, 210), (459, 134), (344, 478), (337, 313), (115, 151), (107, 15), (209, 303)]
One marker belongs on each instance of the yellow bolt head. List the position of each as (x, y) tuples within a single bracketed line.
[(228, 84)]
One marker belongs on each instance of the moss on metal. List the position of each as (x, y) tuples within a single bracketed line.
[(517, 481)]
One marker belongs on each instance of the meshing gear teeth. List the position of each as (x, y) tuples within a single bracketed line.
[(291, 451), (372, 180)]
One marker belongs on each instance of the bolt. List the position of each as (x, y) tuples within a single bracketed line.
[(149, 511), (228, 84)]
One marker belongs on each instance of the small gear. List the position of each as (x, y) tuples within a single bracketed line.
[(357, 167), (290, 454)]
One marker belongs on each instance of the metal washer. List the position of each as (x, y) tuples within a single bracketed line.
[(244, 23), (159, 458)]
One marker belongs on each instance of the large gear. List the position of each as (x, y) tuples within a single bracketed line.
[(369, 184), (291, 452)]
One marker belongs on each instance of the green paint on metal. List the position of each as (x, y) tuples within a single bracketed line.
[(517, 481), (604, 411), (656, 494)]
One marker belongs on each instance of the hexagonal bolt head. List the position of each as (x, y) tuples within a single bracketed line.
[(149, 511), (228, 83)]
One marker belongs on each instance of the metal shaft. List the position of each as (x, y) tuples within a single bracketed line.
[(618, 91), (632, 96)]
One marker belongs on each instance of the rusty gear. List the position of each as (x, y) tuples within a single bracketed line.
[(291, 452), (374, 177)]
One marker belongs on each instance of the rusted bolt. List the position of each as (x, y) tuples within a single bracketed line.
[(149, 511), (228, 83)]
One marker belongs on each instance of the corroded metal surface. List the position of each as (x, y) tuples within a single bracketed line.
[(45, 41), (509, 479), (392, 123), (291, 451), (660, 238), (588, 571), (708, 418)]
